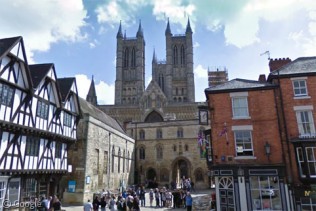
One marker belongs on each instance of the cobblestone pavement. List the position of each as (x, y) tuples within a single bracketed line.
[(201, 202)]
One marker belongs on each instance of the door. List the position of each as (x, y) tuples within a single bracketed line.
[(226, 194)]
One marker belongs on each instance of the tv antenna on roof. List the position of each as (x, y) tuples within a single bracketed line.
[(268, 53)]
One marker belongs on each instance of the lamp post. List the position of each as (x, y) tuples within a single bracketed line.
[(267, 148)]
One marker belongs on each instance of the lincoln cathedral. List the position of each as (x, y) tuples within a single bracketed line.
[(162, 118)]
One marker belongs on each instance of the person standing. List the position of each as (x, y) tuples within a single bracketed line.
[(103, 203), (87, 206), (157, 197), (151, 197), (96, 203), (112, 203), (56, 204), (142, 197), (188, 201)]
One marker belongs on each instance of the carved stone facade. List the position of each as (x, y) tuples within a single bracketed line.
[(163, 118)]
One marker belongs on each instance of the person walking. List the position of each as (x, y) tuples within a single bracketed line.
[(87, 206), (188, 201)]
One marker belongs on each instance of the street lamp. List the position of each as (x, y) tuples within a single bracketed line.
[(267, 148)]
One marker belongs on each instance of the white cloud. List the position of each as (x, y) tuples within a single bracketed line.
[(105, 92), (175, 10), (42, 23), (200, 72)]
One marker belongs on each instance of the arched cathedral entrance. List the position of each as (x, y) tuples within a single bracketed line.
[(181, 167), (151, 178)]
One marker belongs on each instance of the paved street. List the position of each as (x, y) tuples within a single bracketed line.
[(147, 208)]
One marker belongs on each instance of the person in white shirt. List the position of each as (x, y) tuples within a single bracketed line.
[(87, 206)]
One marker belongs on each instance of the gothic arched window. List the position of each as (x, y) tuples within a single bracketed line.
[(175, 55), (159, 134), (126, 57), (159, 152), (133, 62), (113, 155), (161, 81), (180, 132), (124, 160), (186, 147), (182, 55), (141, 153), (119, 161), (141, 135)]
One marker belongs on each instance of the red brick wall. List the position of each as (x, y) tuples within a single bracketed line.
[(262, 110), (290, 116)]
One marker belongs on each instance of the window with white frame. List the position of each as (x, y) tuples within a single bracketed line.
[(240, 107), (305, 122), (301, 162), (299, 87), (2, 192), (243, 141), (308, 203), (14, 190), (311, 160), (265, 193)]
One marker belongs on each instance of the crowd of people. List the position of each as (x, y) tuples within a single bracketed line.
[(133, 199), (49, 204)]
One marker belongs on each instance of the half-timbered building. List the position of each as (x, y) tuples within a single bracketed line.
[(38, 120)]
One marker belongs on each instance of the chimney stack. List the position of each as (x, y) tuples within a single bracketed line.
[(262, 78), (275, 64)]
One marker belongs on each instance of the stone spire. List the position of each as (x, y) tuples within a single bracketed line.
[(154, 57), (168, 30), (140, 30), (92, 95), (188, 30), (119, 33)]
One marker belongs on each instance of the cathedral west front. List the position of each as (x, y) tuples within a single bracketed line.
[(162, 118)]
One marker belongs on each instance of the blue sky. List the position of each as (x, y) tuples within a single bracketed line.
[(79, 37)]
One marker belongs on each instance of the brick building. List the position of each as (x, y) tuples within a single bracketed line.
[(296, 99), (243, 122), (263, 139)]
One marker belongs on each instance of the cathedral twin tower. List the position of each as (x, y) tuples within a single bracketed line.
[(174, 75)]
